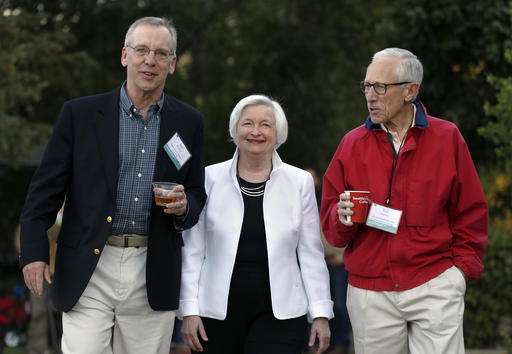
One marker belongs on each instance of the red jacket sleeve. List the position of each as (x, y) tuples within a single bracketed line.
[(468, 214), (333, 185)]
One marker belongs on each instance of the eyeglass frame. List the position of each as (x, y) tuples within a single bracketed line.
[(364, 84), (148, 51)]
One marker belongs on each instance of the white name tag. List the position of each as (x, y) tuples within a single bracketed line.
[(177, 151), (383, 218)]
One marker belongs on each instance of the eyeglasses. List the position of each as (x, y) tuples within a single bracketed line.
[(143, 51), (378, 87)]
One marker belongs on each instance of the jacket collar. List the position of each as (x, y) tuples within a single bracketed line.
[(420, 120), (277, 164)]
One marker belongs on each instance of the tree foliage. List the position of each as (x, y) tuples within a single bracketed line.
[(32, 81), (460, 43), (308, 55), (499, 130)]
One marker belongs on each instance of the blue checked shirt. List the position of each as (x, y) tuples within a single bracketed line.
[(138, 142)]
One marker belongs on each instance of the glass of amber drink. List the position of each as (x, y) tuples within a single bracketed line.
[(162, 191)]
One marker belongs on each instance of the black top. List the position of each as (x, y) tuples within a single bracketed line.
[(252, 247)]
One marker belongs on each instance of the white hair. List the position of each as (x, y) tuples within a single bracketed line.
[(255, 100), (409, 69), (155, 22)]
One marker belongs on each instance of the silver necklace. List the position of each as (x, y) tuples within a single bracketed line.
[(253, 191)]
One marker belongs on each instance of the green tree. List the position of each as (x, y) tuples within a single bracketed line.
[(489, 302), (30, 80), (460, 43), (308, 56), (37, 69), (499, 130)]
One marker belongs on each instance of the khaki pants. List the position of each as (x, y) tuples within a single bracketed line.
[(423, 320), (113, 314)]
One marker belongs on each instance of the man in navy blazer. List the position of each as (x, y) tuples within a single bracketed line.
[(118, 264)]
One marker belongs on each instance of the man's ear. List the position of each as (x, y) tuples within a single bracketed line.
[(412, 92), (124, 60), (172, 65)]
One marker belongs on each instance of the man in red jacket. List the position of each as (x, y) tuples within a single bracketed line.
[(426, 230)]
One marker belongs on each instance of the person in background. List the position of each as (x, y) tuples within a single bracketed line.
[(43, 318), (253, 266), (118, 262), (340, 324), (426, 231), (178, 345), (37, 329)]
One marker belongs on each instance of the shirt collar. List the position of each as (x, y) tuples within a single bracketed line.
[(127, 104)]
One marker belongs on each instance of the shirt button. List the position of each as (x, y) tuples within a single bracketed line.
[(109, 219), (397, 286), (133, 222), (145, 128), (97, 251), (139, 175), (136, 199), (143, 151)]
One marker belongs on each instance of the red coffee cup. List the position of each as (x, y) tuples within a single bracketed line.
[(361, 201)]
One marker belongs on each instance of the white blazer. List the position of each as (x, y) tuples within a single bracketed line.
[(299, 280)]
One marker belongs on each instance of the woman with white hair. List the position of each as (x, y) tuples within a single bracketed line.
[(253, 267)]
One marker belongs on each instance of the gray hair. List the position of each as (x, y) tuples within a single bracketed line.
[(255, 100), (409, 69), (156, 22)]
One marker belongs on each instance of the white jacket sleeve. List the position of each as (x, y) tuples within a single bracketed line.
[(311, 256), (193, 254)]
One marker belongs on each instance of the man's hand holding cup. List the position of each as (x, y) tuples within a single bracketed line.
[(171, 196), (353, 207)]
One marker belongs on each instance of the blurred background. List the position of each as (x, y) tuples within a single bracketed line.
[(309, 55)]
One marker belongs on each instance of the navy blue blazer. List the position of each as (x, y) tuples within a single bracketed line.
[(81, 162)]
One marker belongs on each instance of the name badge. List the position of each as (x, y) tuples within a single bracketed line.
[(177, 151), (383, 218)]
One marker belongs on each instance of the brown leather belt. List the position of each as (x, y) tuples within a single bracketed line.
[(127, 240)]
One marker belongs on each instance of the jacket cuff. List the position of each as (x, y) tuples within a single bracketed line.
[(339, 229), (32, 253), (320, 309), (188, 308), (179, 220)]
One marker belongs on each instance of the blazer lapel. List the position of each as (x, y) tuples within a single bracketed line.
[(107, 130), (167, 130)]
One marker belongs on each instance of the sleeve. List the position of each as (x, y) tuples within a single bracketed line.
[(310, 253), (194, 183), (333, 185), (193, 254), (47, 190), (468, 214)]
